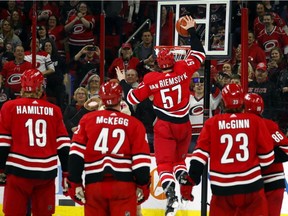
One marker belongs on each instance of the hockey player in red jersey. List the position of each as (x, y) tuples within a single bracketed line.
[(32, 134), (273, 176), (238, 145), (172, 130), (111, 147)]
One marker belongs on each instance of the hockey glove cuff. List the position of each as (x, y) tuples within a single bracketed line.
[(76, 192)]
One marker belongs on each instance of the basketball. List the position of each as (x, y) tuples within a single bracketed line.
[(181, 31)]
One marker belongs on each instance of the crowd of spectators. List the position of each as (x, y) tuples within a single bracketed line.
[(68, 47), (267, 55)]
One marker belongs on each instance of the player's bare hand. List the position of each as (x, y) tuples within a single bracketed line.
[(120, 74), (190, 22)]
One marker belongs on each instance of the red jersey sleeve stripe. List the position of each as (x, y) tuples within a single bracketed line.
[(131, 98), (76, 153), (266, 160), (5, 137), (199, 55)]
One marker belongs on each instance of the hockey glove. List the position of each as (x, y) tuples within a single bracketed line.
[(142, 192), (76, 192), (186, 187), (65, 183), (2, 178)]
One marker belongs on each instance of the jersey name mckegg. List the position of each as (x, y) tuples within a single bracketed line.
[(112, 120)]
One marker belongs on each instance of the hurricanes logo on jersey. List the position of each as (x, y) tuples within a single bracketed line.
[(14, 79), (196, 110)]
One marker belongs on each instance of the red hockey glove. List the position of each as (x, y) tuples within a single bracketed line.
[(142, 192), (65, 183), (2, 178), (76, 192), (186, 187)]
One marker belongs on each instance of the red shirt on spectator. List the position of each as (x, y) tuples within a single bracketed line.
[(259, 25), (131, 64), (256, 54), (80, 35), (276, 38)]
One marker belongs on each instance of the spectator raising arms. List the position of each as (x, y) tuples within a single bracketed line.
[(80, 29), (85, 63)]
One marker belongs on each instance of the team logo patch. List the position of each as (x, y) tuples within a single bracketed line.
[(14, 79), (196, 110)]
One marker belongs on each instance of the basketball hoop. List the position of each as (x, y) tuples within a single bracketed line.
[(179, 52)]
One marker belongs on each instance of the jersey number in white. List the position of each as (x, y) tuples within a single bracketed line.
[(168, 100), (277, 136), (39, 129), (243, 146), (101, 143)]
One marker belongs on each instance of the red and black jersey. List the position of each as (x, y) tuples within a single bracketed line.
[(238, 145), (33, 132), (80, 35), (109, 143), (276, 38), (259, 25), (273, 175), (170, 91), (12, 73)]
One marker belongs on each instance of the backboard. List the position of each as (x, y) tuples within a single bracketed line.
[(213, 25)]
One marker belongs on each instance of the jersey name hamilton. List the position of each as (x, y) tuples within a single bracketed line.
[(38, 110)]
